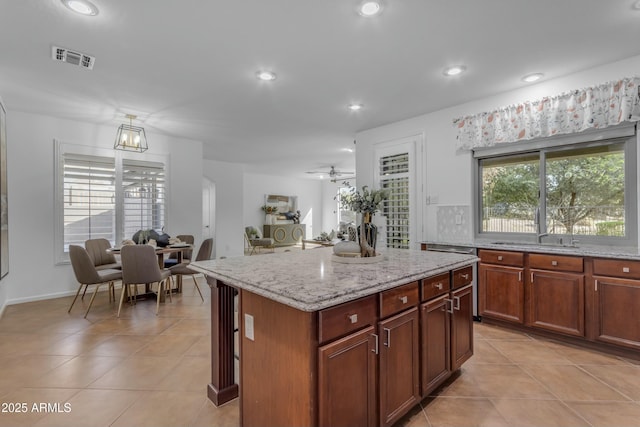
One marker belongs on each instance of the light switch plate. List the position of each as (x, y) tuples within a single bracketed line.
[(248, 326)]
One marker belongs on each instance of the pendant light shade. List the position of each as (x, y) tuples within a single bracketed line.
[(131, 138)]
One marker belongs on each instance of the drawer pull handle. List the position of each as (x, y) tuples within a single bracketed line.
[(464, 276), (625, 269), (403, 299), (456, 301), (519, 276), (499, 257), (388, 331), (596, 286), (438, 285), (554, 263), (353, 318)]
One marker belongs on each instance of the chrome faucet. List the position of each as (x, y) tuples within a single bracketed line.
[(540, 236)]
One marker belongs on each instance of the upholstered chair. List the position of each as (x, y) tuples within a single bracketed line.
[(87, 275), (140, 267), (97, 249), (172, 259), (182, 269), (255, 241)]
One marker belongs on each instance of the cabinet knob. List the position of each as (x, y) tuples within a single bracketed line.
[(499, 257), (625, 269), (554, 263), (438, 285), (404, 299), (353, 318), (464, 276)]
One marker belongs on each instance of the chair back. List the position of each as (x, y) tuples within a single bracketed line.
[(83, 267), (97, 250), (139, 265), (204, 253)]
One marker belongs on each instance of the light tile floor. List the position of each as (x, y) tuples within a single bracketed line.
[(143, 369)]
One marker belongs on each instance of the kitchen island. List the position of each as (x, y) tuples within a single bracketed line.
[(328, 343)]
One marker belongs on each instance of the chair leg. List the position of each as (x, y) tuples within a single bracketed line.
[(195, 282), (169, 281), (93, 296), (85, 291), (76, 297), (122, 294), (160, 288)]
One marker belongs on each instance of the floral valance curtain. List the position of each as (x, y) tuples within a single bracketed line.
[(591, 108)]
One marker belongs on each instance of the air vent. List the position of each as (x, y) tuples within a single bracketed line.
[(73, 58)]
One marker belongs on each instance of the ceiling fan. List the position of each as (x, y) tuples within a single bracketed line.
[(334, 174)]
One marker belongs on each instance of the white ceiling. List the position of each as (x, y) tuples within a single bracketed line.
[(187, 68)]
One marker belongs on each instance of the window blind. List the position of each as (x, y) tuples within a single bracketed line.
[(394, 176), (144, 191), (88, 198)]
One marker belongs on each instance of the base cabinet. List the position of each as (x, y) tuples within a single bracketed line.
[(556, 302), (461, 326), (285, 234), (501, 285), (436, 356), (352, 402), (399, 365)]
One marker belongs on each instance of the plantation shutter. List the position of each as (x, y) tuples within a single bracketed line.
[(88, 198), (144, 191), (394, 176)]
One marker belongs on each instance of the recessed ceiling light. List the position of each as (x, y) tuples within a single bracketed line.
[(454, 70), (83, 7), (530, 78), (348, 150), (267, 76), (370, 8), (355, 107)]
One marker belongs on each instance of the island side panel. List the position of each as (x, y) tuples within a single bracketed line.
[(223, 387), (278, 366)]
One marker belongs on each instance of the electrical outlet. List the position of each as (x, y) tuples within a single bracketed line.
[(248, 326)]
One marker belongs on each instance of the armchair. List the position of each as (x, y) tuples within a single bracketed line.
[(255, 241)]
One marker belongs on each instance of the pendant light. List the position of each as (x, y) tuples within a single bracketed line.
[(131, 138)]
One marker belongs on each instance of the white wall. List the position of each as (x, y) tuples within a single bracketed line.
[(447, 172), (32, 272), (309, 193), (229, 225)]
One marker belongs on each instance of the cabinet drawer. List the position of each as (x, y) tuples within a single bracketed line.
[(462, 276), (617, 268), (434, 286), (397, 299), (513, 259), (556, 262), (340, 320)]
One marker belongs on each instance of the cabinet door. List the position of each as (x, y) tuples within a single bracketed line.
[(399, 365), (435, 361), (556, 302), (501, 292), (347, 380), (616, 311), (461, 326)]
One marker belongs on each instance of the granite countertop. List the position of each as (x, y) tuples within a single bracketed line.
[(618, 252), (310, 280)]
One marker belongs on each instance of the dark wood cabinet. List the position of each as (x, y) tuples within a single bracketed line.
[(347, 381), (461, 326), (501, 292), (435, 356), (399, 365), (556, 302), (616, 302)]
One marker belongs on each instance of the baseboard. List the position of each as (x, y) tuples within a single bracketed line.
[(41, 297)]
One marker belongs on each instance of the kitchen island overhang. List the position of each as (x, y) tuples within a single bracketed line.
[(288, 291)]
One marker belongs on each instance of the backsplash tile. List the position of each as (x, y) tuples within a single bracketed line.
[(454, 224)]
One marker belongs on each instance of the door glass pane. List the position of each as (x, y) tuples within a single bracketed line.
[(510, 188), (585, 191)]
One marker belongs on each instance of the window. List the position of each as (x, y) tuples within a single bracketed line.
[(345, 215), (103, 195), (578, 192), (394, 176)]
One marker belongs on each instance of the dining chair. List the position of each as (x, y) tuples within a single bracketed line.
[(97, 249), (140, 267), (87, 274), (182, 269), (186, 255)]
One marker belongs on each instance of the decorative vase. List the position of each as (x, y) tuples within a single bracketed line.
[(368, 234), (269, 219)]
